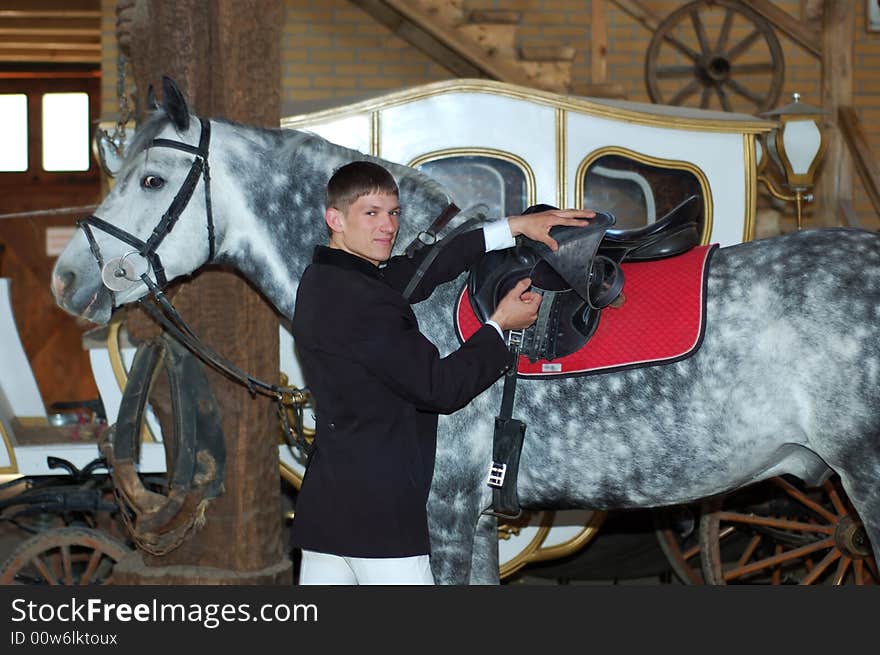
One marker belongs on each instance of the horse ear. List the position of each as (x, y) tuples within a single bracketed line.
[(152, 103), (175, 104)]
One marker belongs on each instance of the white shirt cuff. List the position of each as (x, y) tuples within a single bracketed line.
[(497, 235), (497, 328)]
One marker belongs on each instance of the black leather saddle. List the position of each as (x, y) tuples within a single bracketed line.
[(581, 278)]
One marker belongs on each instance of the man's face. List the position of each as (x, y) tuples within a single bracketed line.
[(368, 228)]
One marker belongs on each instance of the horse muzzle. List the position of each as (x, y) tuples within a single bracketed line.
[(83, 295)]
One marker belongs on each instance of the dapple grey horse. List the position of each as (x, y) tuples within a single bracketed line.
[(787, 380)]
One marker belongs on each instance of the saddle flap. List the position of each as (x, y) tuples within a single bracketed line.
[(577, 248)]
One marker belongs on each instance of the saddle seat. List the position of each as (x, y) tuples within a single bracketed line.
[(673, 234), (580, 278)]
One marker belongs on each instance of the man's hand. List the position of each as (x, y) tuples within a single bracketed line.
[(518, 309), (537, 226)]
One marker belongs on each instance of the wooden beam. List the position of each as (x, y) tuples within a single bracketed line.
[(448, 49), (804, 34), (640, 12), (14, 56), (92, 33), (860, 151), (838, 34), (50, 45), (7, 13), (51, 5)]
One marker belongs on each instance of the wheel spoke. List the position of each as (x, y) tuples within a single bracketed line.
[(66, 564), (687, 91), (744, 92), (722, 96), (725, 30), (778, 559), (700, 30), (743, 45), (777, 571), (770, 522), (94, 560), (831, 490), (749, 69), (681, 47), (705, 97), (840, 576), (802, 498), (44, 570), (859, 570), (683, 70), (749, 551), (827, 561)]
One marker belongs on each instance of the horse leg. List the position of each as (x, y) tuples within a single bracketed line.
[(451, 523), (484, 559)]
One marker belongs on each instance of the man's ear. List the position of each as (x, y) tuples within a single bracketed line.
[(333, 218)]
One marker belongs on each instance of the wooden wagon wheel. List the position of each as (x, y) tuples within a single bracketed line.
[(715, 53), (64, 556), (677, 531), (778, 532)]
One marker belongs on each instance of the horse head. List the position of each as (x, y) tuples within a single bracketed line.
[(162, 185)]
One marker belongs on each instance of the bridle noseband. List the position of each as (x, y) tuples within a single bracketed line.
[(147, 249)]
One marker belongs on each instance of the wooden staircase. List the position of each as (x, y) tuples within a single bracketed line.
[(483, 44)]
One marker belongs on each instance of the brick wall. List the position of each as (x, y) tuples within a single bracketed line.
[(334, 53)]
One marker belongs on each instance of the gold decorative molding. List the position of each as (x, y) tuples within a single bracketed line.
[(751, 187), (7, 443), (652, 161), (516, 160), (617, 110), (524, 556), (597, 518), (561, 152), (375, 134)]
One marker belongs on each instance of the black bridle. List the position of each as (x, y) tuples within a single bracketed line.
[(163, 312), (147, 249)]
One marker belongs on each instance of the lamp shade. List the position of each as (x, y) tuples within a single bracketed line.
[(796, 145)]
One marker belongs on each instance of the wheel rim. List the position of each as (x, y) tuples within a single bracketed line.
[(781, 533), (678, 535), (715, 54), (64, 556)]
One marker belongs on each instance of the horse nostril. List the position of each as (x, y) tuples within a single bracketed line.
[(61, 281)]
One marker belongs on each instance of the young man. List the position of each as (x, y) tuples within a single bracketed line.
[(378, 384)]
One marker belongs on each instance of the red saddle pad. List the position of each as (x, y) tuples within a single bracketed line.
[(661, 321)]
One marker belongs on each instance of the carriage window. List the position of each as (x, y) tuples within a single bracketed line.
[(474, 179), (66, 132), (635, 192), (13, 132)]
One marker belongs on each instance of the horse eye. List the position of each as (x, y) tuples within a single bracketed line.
[(152, 182)]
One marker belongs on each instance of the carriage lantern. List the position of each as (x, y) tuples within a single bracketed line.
[(796, 146)]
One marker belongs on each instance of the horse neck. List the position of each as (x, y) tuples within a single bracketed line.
[(268, 192)]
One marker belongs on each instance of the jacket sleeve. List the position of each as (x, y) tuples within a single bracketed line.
[(407, 362), (454, 257)]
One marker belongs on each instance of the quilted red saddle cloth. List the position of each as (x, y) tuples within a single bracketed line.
[(662, 320)]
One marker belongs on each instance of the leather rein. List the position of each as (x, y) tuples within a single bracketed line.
[(163, 312)]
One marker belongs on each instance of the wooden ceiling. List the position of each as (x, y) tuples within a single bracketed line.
[(43, 32)]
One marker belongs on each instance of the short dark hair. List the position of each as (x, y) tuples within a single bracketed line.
[(359, 178)]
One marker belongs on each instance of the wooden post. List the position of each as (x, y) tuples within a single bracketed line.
[(225, 57), (835, 181)]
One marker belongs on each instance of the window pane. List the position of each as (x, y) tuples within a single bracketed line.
[(13, 132), (474, 179), (66, 132)]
